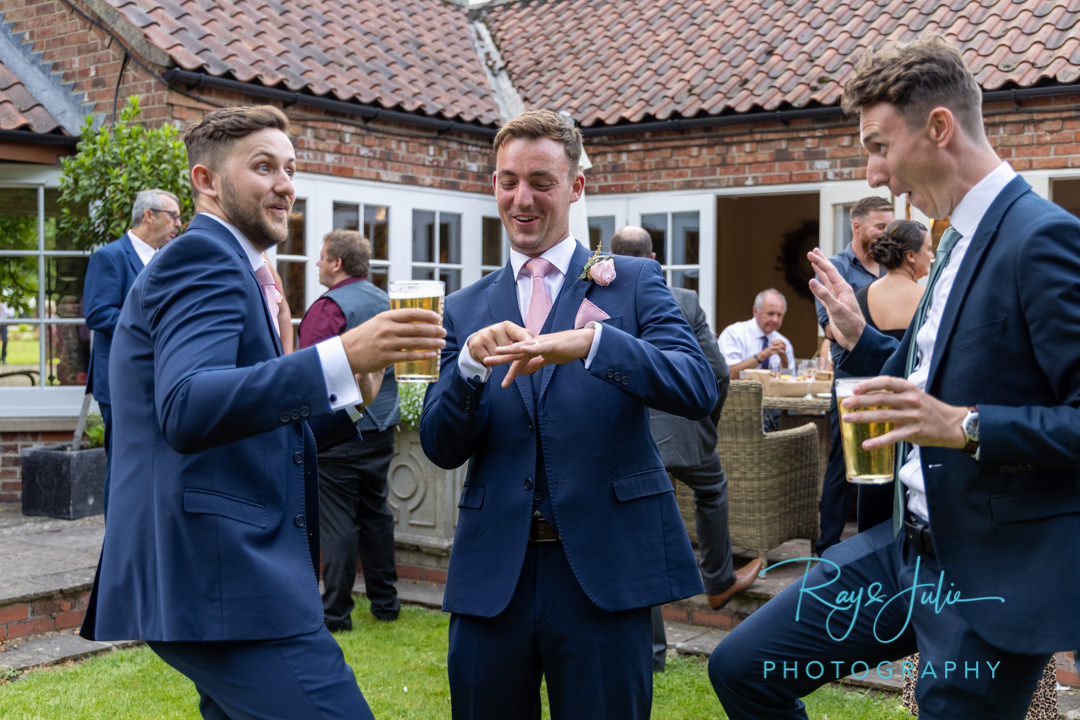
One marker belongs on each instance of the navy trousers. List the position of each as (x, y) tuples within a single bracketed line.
[(300, 678), (799, 640), (597, 664)]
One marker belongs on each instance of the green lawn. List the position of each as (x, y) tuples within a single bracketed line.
[(401, 668), (22, 352)]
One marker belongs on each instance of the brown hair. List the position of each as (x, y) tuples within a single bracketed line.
[(352, 248), (899, 238), (917, 77), (208, 141), (867, 205), (632, 240), (538, 124)]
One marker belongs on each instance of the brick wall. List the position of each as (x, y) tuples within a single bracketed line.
[(45, 614), (11, 447)]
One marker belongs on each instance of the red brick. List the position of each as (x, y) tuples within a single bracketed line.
[(69, 619), (14, 613), (701, 617), (35, 626)]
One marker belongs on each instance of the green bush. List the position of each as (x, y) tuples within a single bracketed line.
[(94, 432), (99, 182), (411, 398)]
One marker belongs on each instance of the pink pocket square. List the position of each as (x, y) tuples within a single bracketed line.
[(587, 313)]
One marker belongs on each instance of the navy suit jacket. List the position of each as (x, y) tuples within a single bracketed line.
[(1009, 524), (109, 276), (613, 502), (211, 532)]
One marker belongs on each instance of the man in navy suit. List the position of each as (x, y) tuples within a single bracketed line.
[(976, 568), (568, 531), (211, 542), (155, 219)]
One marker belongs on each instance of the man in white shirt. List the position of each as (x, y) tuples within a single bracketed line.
[(155, 219), (975, 569), (757, 342)]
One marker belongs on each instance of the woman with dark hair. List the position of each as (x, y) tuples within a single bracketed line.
[(889, 303)]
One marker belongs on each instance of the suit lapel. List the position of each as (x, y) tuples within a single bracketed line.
[(503, 305), (132, 256), (565, 308), (984, 236)]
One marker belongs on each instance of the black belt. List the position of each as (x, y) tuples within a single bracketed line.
[(540, 531), (919, 536)]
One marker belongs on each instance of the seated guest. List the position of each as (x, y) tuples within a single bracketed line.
[(757, 342), (905, 251)]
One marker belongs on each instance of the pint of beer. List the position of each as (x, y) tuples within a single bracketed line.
[(865, 467), (428, 295)]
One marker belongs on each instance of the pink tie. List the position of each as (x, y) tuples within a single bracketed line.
[(540, 302), (270, 292)]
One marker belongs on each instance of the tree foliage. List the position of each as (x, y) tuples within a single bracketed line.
[(111, 165)]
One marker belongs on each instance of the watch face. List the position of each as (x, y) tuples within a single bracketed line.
[(971, 426)]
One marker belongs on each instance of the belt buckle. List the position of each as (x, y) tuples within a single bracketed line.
[(540, 531), (920, 537)]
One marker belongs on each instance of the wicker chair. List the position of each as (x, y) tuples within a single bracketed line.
[(773, 480)]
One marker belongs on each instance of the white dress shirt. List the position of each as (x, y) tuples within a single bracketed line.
[(559, 255), (341, 388), (144, 250), (742, 340), (965, 218)]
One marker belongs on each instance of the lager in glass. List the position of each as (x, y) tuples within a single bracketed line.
[(428, 295), (865, 467)]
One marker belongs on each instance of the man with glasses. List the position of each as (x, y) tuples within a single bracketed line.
[(155, 219)]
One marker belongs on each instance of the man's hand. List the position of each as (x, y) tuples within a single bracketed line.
[(776, 347), (483, 342), (393, 336), (917, 417), (845, 317), (529, 355), (369, 384)]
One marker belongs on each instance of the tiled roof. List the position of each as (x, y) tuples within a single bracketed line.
[(20, 110), (413, 55), (605, 61), (612, 61)]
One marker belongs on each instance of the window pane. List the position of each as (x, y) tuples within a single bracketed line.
[(64, 286), (492, 252), (23, 356), (346, 216), (380, 276), (19, 284), (295, 285), (688, 279), (684, 238), (18, 220), (296, 242), (600, 231), (377, 230), (423, 273), (452, 278), (423, 242), (449, 238), (52, 215), (67, 349), (656, 224)]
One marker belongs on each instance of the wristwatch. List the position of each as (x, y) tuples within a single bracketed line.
[(970, 426)]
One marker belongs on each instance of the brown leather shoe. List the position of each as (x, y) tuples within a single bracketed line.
[(744, 578)]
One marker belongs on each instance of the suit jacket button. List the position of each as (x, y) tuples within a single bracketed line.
[(305, 412), (528, 484), (284, 417), (625, 381), (295, 415), (300, 521), (610, 373), (298, 458)]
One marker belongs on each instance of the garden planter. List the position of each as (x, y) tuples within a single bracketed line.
[(63, 483)]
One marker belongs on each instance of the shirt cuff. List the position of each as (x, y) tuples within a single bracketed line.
[(341, 388), (598, 331), (469, 368)]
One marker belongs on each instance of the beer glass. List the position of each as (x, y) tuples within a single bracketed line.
[(428, 295), (864, 467)]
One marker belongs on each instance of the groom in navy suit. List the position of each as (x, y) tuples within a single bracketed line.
[(211, 543), (568, 531), (977, 568)]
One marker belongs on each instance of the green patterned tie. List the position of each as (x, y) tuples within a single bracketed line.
[(945, 247)]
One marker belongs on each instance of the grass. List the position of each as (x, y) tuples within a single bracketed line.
[(401, 668), (22, 351)]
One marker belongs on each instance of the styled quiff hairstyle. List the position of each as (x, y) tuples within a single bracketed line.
[(208, 141), (352, 248), (899, 238), (539, 124), (867, 205), (916, 78)]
